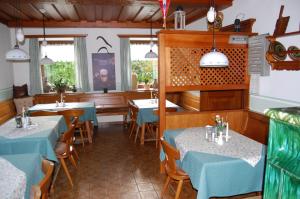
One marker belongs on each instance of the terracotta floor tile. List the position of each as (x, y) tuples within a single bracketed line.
[(145, 187)]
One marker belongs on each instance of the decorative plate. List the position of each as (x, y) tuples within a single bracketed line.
[(294, 56), (277, 50)]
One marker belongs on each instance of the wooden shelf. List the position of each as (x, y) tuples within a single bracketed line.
[(246, 26), (285, 65)]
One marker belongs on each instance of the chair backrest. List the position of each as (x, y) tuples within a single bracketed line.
[(71, 115), (172, 155), (41, 190), (48, 168), (133, 110), (68, 138), (43, 113)]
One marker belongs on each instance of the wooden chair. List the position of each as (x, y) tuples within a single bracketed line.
[(156, 124), (70, 116), (65, 149), (41, 191), (133, 112), (173, 172), (43, 113)]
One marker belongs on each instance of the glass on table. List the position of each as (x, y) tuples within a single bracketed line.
[(209, 133), (19, 123)]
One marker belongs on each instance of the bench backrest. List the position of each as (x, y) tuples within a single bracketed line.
[(7, 110)]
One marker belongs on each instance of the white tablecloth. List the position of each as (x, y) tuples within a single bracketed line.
[(238, 146), (12, 181), (152, 103)]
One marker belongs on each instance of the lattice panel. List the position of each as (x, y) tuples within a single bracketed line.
[(185, 70)]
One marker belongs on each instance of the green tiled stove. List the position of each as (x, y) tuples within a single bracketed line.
[(282, 177)]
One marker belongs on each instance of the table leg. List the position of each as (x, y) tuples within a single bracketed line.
[(143, 134), (89, 129)]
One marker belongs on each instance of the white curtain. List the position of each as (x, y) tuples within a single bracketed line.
[(125, 60), (34, 67), (81, 64)]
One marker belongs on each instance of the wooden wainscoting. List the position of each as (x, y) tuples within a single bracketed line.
[(7, 110), (223, 100), (236, 119)]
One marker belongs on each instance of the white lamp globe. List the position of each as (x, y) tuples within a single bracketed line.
[(211, 14), (20, 35)]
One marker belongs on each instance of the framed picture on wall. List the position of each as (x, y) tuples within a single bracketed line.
[(104, 77)]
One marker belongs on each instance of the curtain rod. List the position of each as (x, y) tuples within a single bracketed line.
[(56, 36), (136, 36)]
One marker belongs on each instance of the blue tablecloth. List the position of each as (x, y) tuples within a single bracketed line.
[(146, 107), (214, 175), (89, 109), (43, 141), (30, 164)]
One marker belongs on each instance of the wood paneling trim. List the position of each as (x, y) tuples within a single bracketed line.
[(87, 24), (56, 36)]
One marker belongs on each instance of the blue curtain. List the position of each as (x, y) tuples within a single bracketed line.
[(82, 77), (34, 67), (125, 60)]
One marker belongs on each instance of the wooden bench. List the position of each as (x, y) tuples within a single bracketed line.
[(7, 110)]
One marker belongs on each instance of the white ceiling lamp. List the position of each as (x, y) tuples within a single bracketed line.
[(17, 54), (45, 60), (213, 58), (151, 54)]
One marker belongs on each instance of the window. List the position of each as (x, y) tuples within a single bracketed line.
[(145, 70), (63, 68)]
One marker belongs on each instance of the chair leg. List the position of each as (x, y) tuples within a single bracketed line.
[(75, 152), (179, 187), (63, 163), (156, 136), (165, 186), (136, 134), (81, 135), (132, 126), (71, 158)]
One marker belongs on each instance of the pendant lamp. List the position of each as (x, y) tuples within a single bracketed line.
[(46, 60), (17, 54), (213, 58), (151, 54)]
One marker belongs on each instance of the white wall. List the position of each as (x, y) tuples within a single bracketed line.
[(21, 70), (6, 69), (280, 84)]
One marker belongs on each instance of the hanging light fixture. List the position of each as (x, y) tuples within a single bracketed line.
[(151, 54), (213, 58), (46, 60), (17, 54)]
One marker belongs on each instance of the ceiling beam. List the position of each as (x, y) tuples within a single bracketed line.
[(87, 24)]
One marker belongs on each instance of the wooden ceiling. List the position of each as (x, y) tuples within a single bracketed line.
[(100, 13)]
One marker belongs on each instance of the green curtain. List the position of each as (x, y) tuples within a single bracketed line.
[(82, 77), (34, 67), (125, 60)]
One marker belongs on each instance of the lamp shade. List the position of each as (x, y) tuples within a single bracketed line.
[(151, 55), (17, 54), (214, 59), (46, 60)]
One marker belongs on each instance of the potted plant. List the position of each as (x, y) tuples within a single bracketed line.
[(147, 77), (60, 85)]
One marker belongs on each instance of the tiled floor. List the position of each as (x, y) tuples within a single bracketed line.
[(113, 167)]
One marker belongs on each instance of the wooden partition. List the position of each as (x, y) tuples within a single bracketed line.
[(222, 88)]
